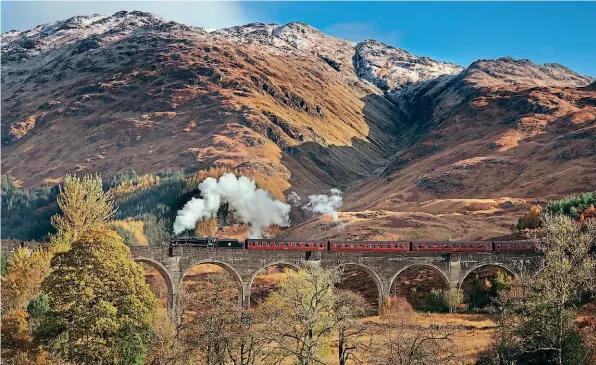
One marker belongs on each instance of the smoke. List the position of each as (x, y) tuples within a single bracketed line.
[(293, 198), (325, 204), (252, 206)]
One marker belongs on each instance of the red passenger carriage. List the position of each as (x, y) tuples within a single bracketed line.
[(450, 246), (514, 246), (276, 245), (371, 246)]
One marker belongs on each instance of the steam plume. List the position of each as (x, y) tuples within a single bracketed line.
[(293, 198), (252, 206), (325, 204)]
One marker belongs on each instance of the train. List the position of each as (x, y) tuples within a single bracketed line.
[(354, 246)]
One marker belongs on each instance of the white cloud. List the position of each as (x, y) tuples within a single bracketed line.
[(210, 14)]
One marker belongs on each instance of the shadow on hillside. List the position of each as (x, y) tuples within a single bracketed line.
[(315, 167)]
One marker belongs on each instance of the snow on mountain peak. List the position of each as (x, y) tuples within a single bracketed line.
[(22, 45), (391, 68), (522, 72)]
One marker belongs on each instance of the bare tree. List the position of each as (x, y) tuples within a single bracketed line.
[(396, 341), (210, 314), (349, 308), (301, 315), (247, 343)]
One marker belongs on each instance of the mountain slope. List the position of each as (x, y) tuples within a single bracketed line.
[(165, 95), (425, 148)]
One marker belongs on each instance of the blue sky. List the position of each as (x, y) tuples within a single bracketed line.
[(456, 32)]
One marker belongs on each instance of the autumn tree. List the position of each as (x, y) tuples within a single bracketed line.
[(301, 314), (569, 272), (247, 344), (537, 324), (210, 311), (22, 281), (207, 228), (83, 205), (101, 307), (395, 340), (349, 308), (20, 286), (163, 337), (453, 298)]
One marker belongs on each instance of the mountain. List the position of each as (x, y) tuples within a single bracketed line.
[(418, 144)]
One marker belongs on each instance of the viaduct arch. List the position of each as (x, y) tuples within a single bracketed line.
[(384, 267)]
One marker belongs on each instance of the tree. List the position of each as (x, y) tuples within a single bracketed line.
[(349, 308), (83, 205), (436, 300), (207, 228), (215, 329), (452, 298), (537, 324), (396, 341), (247, 343), (211, 310), (22, 281), (163, 338), (301, 314), (101, 306), (568, 273)]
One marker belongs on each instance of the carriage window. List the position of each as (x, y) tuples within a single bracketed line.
[(361, 245), (307, 245), (285, 244), (260, 244), (268, 244), (276, 244)]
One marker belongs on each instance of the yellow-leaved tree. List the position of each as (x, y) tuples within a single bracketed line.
[(83, 205), (301, 315), (101, 306)]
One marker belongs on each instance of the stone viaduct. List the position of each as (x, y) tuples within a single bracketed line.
[(383, 267)]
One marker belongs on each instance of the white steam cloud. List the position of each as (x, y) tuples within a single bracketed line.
[(325, 204), (252, 206), (293, 198)]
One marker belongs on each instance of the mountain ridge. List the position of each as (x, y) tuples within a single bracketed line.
[(306, 110)]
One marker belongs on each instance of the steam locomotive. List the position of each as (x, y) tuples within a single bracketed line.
[(354, 246)]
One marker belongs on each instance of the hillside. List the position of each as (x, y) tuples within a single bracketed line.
[(423, 148)]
